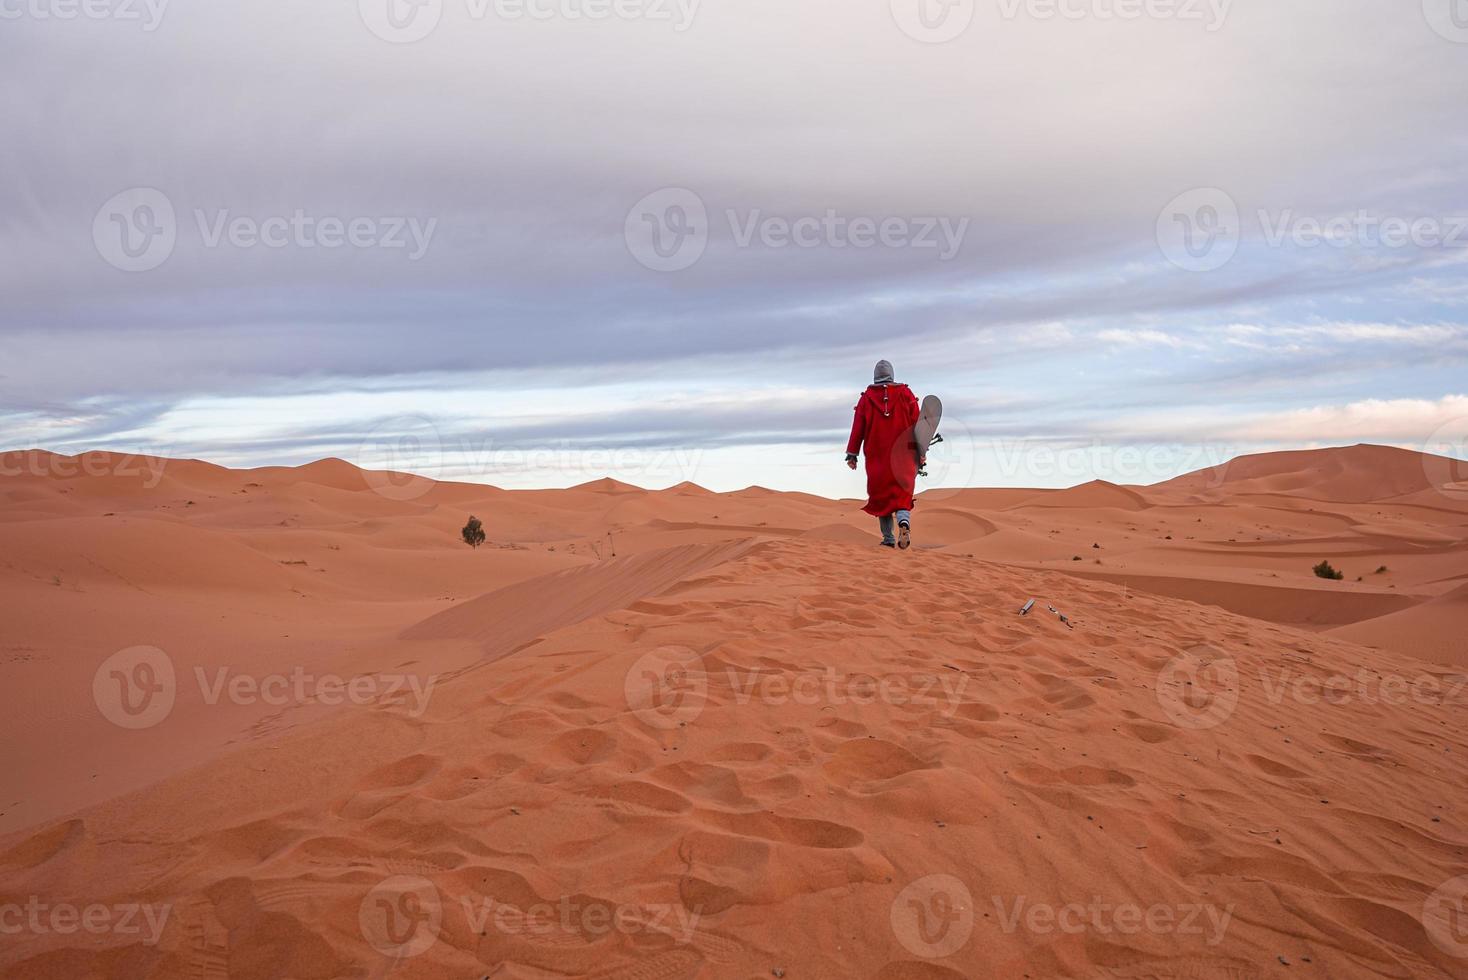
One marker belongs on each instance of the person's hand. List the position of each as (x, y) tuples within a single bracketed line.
[(850, 463)]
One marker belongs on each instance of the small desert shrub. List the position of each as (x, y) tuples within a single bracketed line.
[(473, 532), (1325, 570)]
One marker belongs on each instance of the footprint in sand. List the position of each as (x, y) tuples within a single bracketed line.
[(1147, 732), (1274, 768), (870, 760)]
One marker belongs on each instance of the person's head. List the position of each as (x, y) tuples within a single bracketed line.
[(882, 375)]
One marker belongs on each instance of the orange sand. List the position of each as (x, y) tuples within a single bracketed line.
[(675, 735)]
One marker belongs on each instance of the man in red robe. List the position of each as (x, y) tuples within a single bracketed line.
[(883, 425)]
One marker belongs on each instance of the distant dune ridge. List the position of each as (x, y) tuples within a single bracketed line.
[(1353, 474), (266, 704)]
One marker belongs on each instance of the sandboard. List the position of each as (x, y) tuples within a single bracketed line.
[(925, 430)]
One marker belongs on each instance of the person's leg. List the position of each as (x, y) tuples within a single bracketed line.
[(885, 523), (904, 524)]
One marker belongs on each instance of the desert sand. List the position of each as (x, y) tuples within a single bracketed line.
[(667, 735)]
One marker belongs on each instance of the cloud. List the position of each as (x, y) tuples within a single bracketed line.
[(1406, 421), (525, 143), (1145, 338)]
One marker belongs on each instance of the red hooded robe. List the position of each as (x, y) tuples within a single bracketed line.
[(884, 420)]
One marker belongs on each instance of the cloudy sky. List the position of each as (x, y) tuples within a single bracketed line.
[(537, 242)]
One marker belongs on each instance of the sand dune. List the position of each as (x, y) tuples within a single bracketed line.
[(503, 620), (1355, 474), (659, 735), (1096, 494), (1433, 630)]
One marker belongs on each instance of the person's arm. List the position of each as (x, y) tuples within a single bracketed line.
[(858, 434)]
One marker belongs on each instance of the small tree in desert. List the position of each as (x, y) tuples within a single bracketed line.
[(473, 532)]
